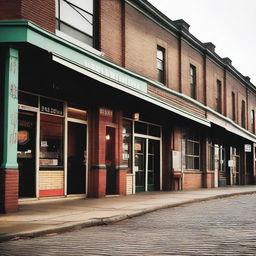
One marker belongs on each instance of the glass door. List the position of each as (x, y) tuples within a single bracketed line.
[(147, 164), (153, 158), (140, 163), (27, 153)]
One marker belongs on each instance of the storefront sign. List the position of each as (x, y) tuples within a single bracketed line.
[(247, 148), (51, 106), (115, 75)]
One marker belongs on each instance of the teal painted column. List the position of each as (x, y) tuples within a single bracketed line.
[(9, 167)]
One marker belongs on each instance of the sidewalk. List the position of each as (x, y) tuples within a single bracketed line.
[(41, 217)]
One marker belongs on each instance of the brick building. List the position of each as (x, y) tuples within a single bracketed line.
[(104, 97)]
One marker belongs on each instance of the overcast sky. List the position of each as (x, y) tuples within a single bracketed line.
[(229, 24)]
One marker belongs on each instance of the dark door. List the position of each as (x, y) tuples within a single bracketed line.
[(27, 153), (76, 158), (110, 161)]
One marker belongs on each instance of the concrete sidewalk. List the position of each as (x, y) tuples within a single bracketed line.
[(41, 217)]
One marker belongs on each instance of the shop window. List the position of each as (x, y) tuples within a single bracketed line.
[(76, 19), (51, 142), (154, 130), (127, 144), (193, 81), (28, 99), (141, 128), (160, 64)]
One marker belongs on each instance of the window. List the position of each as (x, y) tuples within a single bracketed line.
[(193, 81), (127, 144), (75, 18), (51, 142), (218, 97), (192, 154), (160, 65), (243, 114), (233, 106), (253, 121)]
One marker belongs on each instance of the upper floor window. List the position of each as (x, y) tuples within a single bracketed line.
[(218, 96), (233, 106), (160, 64), (253, 121), (193, 81), (243, 114), (75, 18)]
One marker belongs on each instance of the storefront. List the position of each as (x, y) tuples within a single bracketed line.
[(52, 142), (142, 155)]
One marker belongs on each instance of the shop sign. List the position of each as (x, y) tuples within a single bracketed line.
[(115, 75), (51, 106), (247, 148)]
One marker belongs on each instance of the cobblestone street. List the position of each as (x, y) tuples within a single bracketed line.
[(216, 227)]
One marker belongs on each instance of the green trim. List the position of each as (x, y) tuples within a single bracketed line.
[(24, 31), (10, 128), (139, 189)]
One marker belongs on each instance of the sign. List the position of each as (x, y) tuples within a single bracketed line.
[(231, 163), (51, 106), (247, 148)]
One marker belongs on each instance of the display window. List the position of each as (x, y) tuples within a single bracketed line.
[(51, 142)]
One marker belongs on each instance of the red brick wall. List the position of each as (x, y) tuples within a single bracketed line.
[(191, 56), (192, 180), (142, 37), (9, 181), (214, 73), (209, 179), (111, 30), (10, 10), (233, 85), (41, 12)]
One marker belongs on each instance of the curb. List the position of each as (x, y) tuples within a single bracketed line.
[(109, 220)]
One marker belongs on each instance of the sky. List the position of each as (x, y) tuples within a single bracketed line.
[(229, 24)]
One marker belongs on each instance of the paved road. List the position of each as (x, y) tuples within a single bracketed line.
[(217, 227)]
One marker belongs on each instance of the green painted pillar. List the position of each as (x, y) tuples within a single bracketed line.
[(9, 168)]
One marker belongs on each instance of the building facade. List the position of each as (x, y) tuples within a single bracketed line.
[(104, 97)]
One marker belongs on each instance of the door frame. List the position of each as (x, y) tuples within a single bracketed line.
[(85, 123), (28, 108), (147, 137)]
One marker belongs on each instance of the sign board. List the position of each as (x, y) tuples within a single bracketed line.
[(247, 148), (51, 106), (176, 160)]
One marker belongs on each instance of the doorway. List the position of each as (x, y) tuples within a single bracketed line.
[(26, 154), (76, 171), (147, 164), (110, 161)]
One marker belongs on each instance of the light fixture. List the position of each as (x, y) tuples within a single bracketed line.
[(136, 116), (107, 137)]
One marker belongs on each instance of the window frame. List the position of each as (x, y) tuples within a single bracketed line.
[(233, 98), (161, 72), (218, 96), (253, 120), (243, 113), (193, 156), (78, 9), (193, 81)]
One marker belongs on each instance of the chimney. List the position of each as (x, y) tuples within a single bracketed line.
[(182, 24), (227, 60), (210, 46)]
